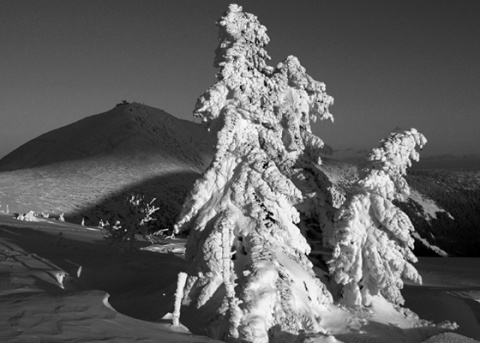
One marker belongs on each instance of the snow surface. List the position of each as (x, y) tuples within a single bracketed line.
[(111, 296)]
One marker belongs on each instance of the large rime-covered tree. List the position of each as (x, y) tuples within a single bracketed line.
[(372, 239), (249, 276)]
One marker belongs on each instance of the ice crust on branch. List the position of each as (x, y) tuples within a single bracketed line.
[(249, 276), (373, 238)]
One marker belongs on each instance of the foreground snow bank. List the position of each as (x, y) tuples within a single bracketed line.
[(141, 287), (60, 282)]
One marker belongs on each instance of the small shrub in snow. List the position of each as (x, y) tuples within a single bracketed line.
[(28, 217), (136, 220)]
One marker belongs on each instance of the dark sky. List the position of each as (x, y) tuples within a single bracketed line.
[(388, 64)]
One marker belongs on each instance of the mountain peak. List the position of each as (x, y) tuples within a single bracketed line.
[(127, 129)]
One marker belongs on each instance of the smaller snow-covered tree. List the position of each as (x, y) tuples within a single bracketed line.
[(137, 220), (372, 238)]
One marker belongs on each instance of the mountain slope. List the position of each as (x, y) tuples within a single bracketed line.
[(125, 130), (87, 168), (456, 229)]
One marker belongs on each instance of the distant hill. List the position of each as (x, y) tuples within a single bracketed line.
[(85, 169), (126, 130)]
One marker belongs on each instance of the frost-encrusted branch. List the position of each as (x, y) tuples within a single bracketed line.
[(373, 238)]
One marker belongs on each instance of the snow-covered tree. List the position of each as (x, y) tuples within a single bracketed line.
[(373, 238), (249, 276)]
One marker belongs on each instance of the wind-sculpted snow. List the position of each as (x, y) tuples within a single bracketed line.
[(373, 238), (249, 276)]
